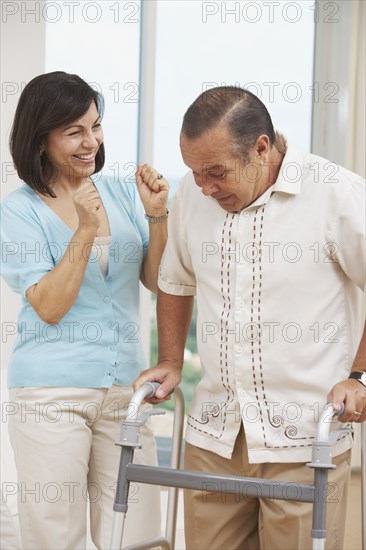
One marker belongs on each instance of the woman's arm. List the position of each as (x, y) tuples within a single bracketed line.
[(56, 292), (54, 295), (153, 192), (158, 234)]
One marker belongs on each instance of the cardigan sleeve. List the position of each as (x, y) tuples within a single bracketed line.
[(25, 251), (138, 213)]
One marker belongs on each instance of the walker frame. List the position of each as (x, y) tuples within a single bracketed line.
[(175, 478)]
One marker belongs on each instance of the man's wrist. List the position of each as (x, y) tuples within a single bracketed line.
[(360, 376)]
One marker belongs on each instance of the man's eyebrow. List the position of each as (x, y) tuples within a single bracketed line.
[(79, 125)]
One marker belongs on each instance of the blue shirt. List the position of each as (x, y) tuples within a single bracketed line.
[(98, 342)]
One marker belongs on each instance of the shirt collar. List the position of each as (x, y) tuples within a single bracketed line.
[(290, 174), (288, 179)]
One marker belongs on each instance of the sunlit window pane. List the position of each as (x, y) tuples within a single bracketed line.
[(99, 41)]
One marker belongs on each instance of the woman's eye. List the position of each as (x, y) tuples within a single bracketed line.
[(96, 126), (75, 133)]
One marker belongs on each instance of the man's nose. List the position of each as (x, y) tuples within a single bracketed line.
[(207, 187)]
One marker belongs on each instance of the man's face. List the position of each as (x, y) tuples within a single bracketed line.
[(221, 174)]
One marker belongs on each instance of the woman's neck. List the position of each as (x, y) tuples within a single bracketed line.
[(67, 186)]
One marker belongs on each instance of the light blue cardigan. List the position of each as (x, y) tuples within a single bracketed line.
[(98, 342)]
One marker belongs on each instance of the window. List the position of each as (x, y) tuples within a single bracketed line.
[(99, 41)]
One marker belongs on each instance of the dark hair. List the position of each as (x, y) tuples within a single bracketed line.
[(245, 116), (46, 103)]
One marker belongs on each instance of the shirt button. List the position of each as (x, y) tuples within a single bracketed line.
[(113, 348), (238, 349), (241, 304), (106, 299), (246, 213), (111, 324)]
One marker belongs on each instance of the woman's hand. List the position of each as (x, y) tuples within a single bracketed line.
[(87, 203), (153, 190)]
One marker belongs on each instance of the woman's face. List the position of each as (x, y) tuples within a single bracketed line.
[(71, 149)]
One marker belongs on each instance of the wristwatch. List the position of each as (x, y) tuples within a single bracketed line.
[(360, 376)]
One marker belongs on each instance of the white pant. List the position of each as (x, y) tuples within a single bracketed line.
[(8, 536), (65, 452)]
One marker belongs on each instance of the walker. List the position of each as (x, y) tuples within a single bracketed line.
[(175, 478)]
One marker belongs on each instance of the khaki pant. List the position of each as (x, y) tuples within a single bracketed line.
[(65, 452), (215, 521)]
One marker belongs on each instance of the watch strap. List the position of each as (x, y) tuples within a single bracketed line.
[(360, 376)]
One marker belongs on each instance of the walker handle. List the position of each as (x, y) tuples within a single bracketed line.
[(148, 389), (154, 387), (325, 419), (340, 412)]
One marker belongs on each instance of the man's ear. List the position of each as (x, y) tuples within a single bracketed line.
[(262, 145)]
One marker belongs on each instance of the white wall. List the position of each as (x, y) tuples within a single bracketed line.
[(22, 57)]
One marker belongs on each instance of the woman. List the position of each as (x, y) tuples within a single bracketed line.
[(75, 246)]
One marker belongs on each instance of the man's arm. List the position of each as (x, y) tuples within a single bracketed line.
[(174, 316), (351, 392)]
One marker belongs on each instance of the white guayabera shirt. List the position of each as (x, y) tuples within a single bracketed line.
[(280, 305)]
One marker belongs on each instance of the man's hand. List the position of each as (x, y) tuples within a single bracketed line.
[(353, 394), (167, 373)]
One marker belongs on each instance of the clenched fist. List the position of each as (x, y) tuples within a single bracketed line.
[(87, 203), (153, 190)]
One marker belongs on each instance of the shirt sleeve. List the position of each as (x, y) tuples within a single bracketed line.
[(349, 234), (176, 274), (25, 255)]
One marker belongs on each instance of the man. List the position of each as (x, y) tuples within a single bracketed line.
[(273, 244)]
